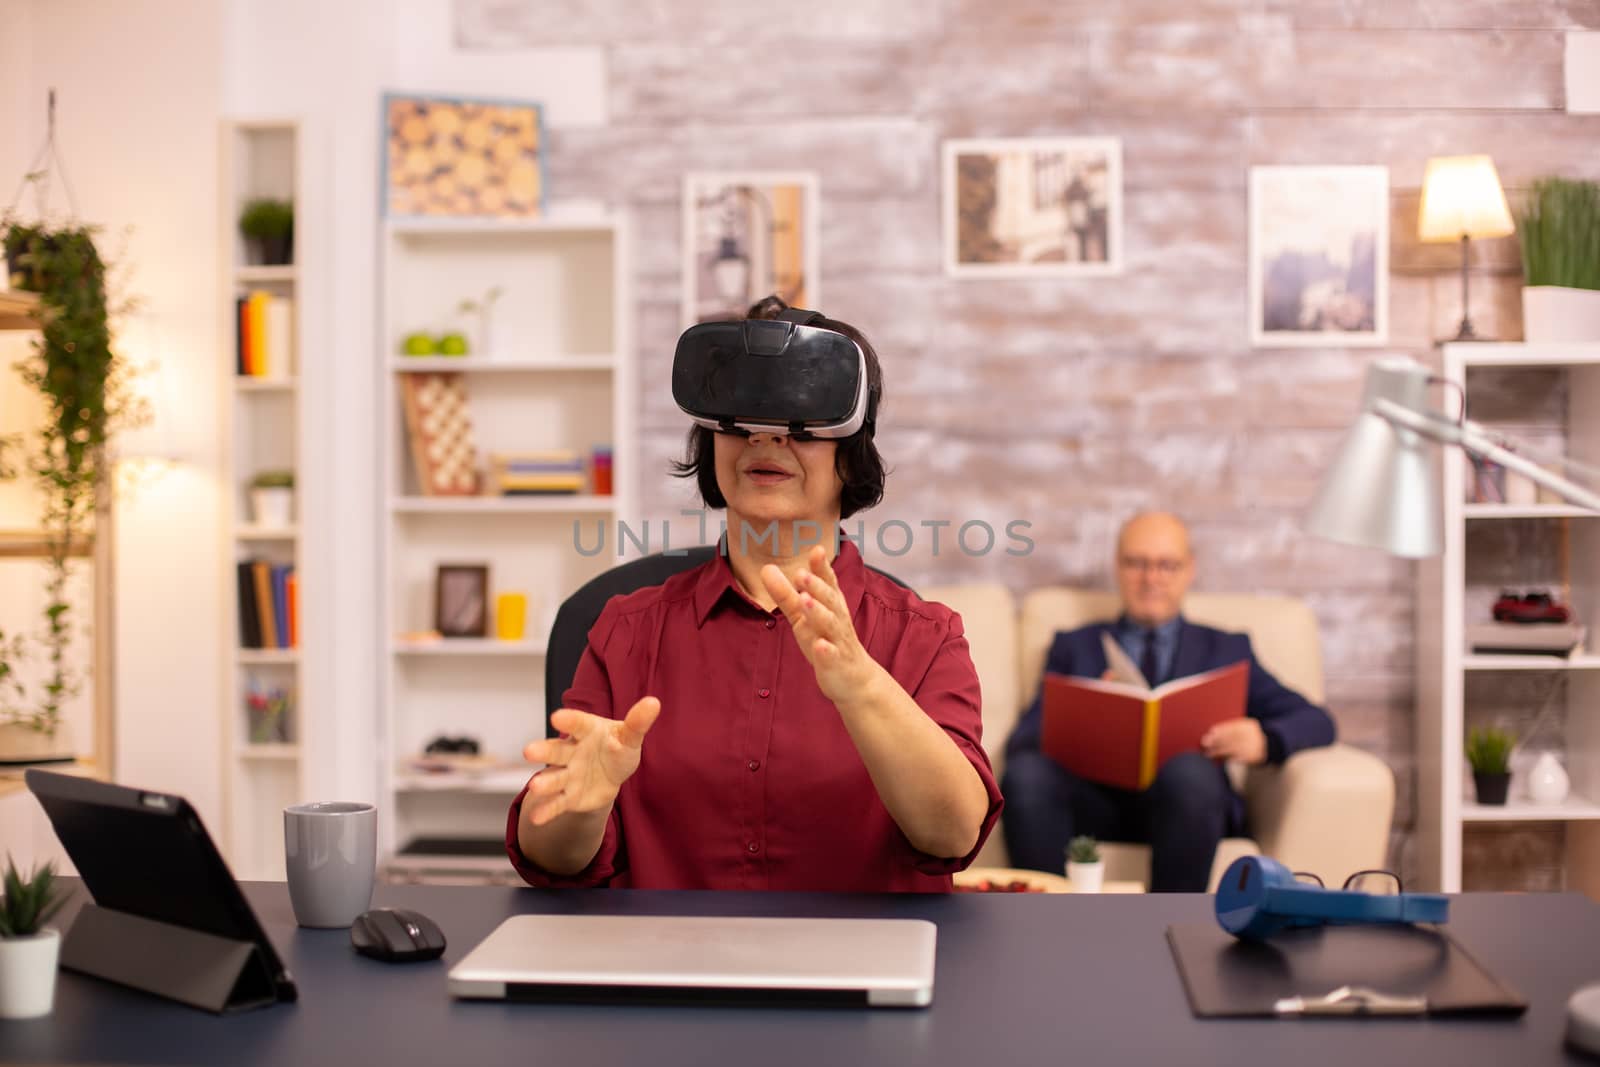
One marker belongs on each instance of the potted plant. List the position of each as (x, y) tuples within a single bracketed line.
[(83, 384), (272, 498), (1560, 229), (268, 229), (1085, 869), (1489, 752), (28, 951)]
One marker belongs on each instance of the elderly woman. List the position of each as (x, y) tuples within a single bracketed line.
[(780, 717)]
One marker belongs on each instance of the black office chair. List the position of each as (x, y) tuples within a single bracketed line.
[(569, 634)]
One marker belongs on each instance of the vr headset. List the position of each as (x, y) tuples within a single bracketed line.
[(781, 375), (1258, 897)]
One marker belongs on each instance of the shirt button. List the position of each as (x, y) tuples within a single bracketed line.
[(752, 848), (754, 765), (763, 693), (771, 623)]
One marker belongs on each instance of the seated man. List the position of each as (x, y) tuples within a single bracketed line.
[(1191, 805)]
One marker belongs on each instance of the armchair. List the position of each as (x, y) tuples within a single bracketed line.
[(1325, 810)]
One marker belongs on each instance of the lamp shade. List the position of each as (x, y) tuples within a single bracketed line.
[(1461, 197), (1382, 490)]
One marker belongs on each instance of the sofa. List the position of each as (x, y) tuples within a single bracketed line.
[(1325, 810)]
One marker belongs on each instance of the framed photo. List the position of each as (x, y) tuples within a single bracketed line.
[(1020, 207), (461, 600), (1319, 256), (457, 157), (747, 235)]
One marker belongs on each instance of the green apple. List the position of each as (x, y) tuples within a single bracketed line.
[(418, 344), (453, 344)]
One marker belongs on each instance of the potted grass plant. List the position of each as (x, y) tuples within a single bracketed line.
[(268, 229), (1489, 753), (1086, 870), (28, 949), (272, 498), (1560, 229)]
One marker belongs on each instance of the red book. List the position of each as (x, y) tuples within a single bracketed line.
[(1121, 734)]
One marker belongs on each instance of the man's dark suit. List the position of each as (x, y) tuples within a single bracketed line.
[(1188, 808)]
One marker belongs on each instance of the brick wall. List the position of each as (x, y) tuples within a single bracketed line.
[(1070, 403)]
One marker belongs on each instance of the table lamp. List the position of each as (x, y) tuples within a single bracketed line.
[(1382, 490), (1462, 199)]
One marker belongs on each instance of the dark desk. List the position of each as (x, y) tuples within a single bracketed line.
[(1021, 979)]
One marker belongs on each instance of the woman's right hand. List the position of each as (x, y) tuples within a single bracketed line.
[(587, 764)]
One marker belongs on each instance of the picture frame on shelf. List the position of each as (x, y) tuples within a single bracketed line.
[(1319, 256), (1032, 206), (461, 600), (462, 157), (747, 235)]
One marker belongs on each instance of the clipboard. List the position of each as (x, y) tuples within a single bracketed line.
[(1340, 971)]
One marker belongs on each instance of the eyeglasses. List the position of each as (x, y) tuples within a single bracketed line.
[(1378, 883), (1164, 567)]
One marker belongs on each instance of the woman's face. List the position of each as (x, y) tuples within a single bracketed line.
[(767, 477)]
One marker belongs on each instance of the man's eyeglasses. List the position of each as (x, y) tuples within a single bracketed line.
[(1379, 883), (1164, 567)]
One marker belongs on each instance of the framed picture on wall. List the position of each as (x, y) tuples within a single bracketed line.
[(459, 157), (747, 235), (461, 600), (1018, 207), (1319, 256)]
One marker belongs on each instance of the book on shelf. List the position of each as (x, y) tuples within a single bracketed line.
[(269, 596), (536, 473), (263, 335), (1525, 638), (1121, 732)]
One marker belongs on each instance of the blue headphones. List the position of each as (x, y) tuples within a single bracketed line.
[(1258, 897)]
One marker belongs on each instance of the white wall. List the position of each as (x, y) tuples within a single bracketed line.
[(138, 87), (142, 87)]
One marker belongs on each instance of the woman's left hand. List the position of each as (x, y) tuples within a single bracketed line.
[(820, 618)]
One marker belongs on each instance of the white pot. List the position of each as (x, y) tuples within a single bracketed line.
[(28, 974), (19, 743), (273, 507), (1086, 877), (1553, 314)]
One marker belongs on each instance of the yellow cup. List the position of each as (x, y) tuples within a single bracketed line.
[(511, 616)]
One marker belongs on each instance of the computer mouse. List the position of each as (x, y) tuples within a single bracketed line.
[(1583, 1020), (396, 935)]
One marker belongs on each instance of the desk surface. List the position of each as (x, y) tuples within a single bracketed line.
[(1022, 978)]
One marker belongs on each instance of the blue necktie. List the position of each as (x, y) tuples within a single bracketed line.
[(1148, 665)]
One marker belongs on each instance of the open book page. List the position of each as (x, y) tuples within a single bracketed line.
[(1121, 664)]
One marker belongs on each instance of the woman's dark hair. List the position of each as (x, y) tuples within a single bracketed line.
[(859, 465)]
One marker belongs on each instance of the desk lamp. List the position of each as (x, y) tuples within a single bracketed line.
[(1462, 199), (1382, 490)]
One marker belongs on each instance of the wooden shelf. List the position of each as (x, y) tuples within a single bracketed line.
[(274, 752), (553, 504), (1527, 511), (493, 365), (1488, 662), (506, 782), (1574, 808), (266, 657), (1522, 354), (246, 384), (414, 228), (265, 533), (32, 544), (469, 646), (265, 274), (19, 310)]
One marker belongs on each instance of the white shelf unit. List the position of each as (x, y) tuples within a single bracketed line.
[(559, 375), (264, 425), (1484, 551)]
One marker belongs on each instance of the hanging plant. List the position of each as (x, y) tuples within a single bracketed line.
[(74, 370)]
